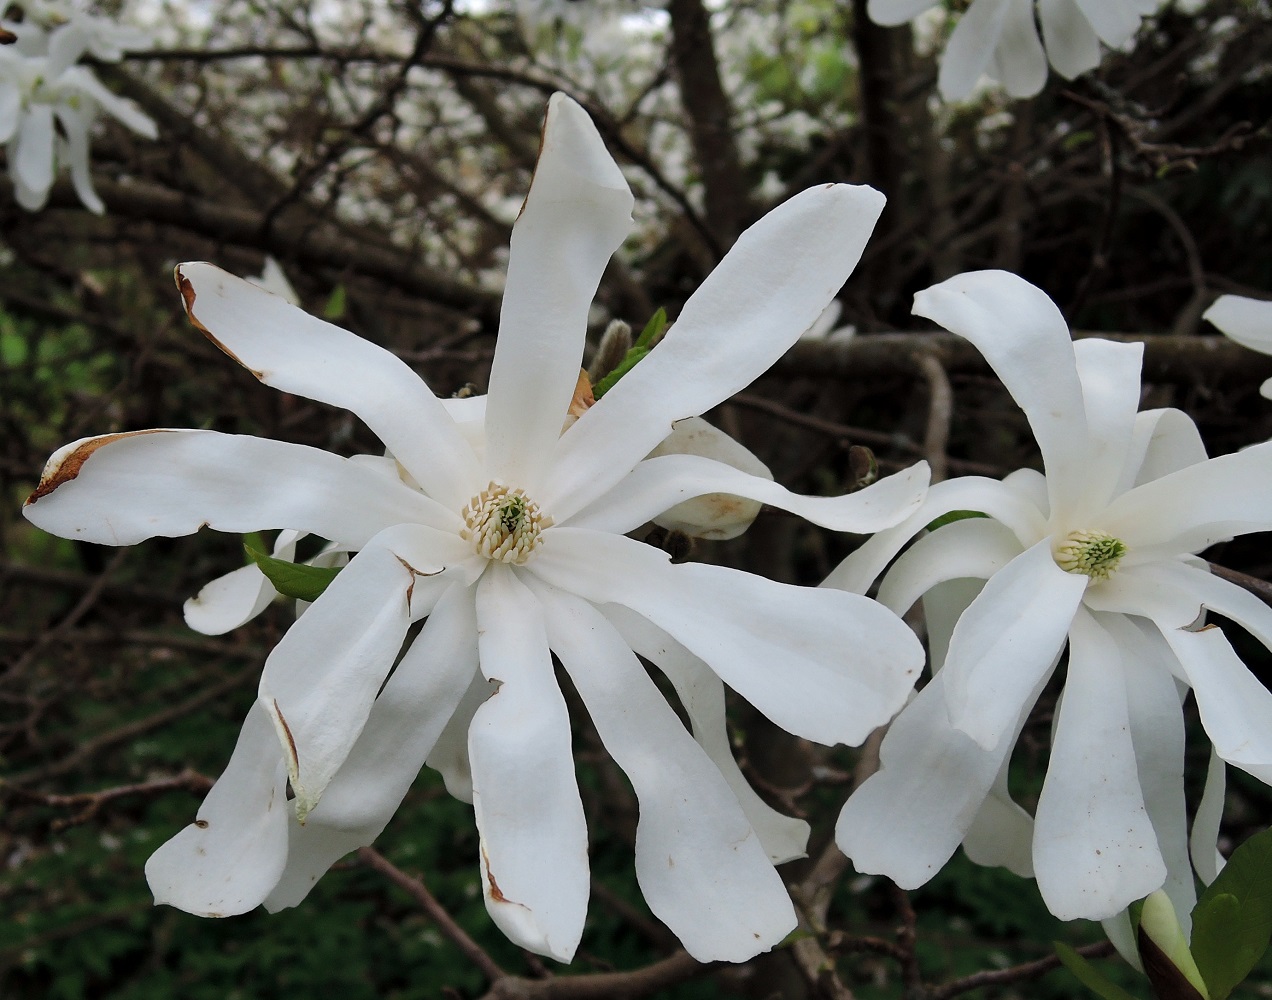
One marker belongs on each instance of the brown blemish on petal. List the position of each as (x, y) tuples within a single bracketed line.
[(414, 573), (543, 132), (68, 467), (495, 893), (202, 824), (187, 294), (293, 759)]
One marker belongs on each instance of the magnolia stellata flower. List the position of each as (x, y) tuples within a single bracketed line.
[(1248, 322), (48, 105), (1101, 554), (999, 38), (513, 555)]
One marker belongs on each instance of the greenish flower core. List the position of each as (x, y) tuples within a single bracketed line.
[(1092, 553), (504, 525)]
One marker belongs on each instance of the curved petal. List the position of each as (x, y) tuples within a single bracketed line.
[(1110, 377), (943, 605), (907, 819), (10, 110), (701, 868), (33, 163), (975, 548), (1026, 341), (1113, 20), (1072, 44), (1164, 441), (402, 727), (1020, 64), (847, 662), (321, 679), (576, 215), (450, 753), (119, 489), (1161, 590), (770, 287), (890, 12), (75, 125), (294, 352), (230, 858), (970, 50), (239, 596), (1095, 850), (1190, 509), (657, 484), (701, 693), (1002, 832), (1202, 842), (1007, 641), (988, 496), (1244, 320), (534, 871), (1236, 710)]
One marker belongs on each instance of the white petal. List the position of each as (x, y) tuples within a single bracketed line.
[(401, 729), (1020, 64), (890, 12), (1164, 441), (1002, 832), (1161, 590), (1206, 858), (770, 287), (701, 693), (450, 753), (81, 79), (970, 50), (534, 870), (1072, 44), (1110, 377), (239, 596), (10, 111), (1247, 321), (576, 215), (701, 868), (1188, 510), (975, 548), (119, 489), (657, 484), (988, 496), (66, 44), (1236, 710), (1114, 21), (33, 164), (321, 679), (75, 126), (1007, 639), (292, 351), (847, 662), (1026, 341), (1095, 850), (229, 859), (943, 605), (907, 819)]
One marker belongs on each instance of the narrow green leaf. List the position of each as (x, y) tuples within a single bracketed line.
[(1232, 922), (952, 516), (1090, 977), (653, 329), (305, 583), (336, 304), (627, 364)]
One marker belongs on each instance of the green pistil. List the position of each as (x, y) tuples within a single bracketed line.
[(512, 512), (1091, 553)]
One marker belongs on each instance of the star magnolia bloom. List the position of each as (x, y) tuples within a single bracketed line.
[(998, 38), (512, 557), (1101, 554), (1246, 321), (47, 108)]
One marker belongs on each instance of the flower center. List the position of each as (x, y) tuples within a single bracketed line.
[(1093, 553), (503, 524)]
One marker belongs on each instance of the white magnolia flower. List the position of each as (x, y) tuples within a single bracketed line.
[(1248, 322), (999, 39), (1100, 554), (107, 39), (511, 557), (48, 105)]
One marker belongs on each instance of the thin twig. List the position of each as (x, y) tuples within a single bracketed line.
[(1028, 970)]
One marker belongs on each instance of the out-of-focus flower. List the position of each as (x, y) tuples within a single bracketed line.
[(1248, 322), (107, 39), (513, 555), (1099, 554), (999, 39), (48, 105)]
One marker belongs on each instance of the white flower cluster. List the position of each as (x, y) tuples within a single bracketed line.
[(49, 101)]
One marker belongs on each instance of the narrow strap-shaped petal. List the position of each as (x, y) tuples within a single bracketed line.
[(701, 693), (75, 124), (449, 756), (970, 51), (1095, 850), (402, 727), (1002, 832), (1164, 441), (1115, 21), (890, 12), (576, 215), (1110, 377), (657, 484), (288, 349), (846, 663), (239, 596), (1006, 641), (974, 548), (230, 858), (534, 870), (1246, 321), (33, 162), (320, 681), (701, 868), (1019, 63), (1162, 590), (1026, 341), (1203, 841), (1072, 44), (770, 287), (119, 489)]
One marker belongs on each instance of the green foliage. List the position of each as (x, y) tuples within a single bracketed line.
[(305, 583), (1232, 921), (648, 337), (1089, 975)]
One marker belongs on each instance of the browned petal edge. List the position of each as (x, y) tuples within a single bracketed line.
[(69, 467), (7, 37), (186, 289), (543, 132), (583, 397), (495, 893), (410, 590)]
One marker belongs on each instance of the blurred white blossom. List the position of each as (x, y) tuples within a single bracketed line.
[(1246, 321)]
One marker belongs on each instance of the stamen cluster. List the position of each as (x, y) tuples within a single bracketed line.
[(1092, 553), (503, 524)]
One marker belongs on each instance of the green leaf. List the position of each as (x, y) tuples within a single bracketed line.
[(653, 329), (305, 583), (1090, 977), (1232, 922), (952, 516), (336, 304)]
